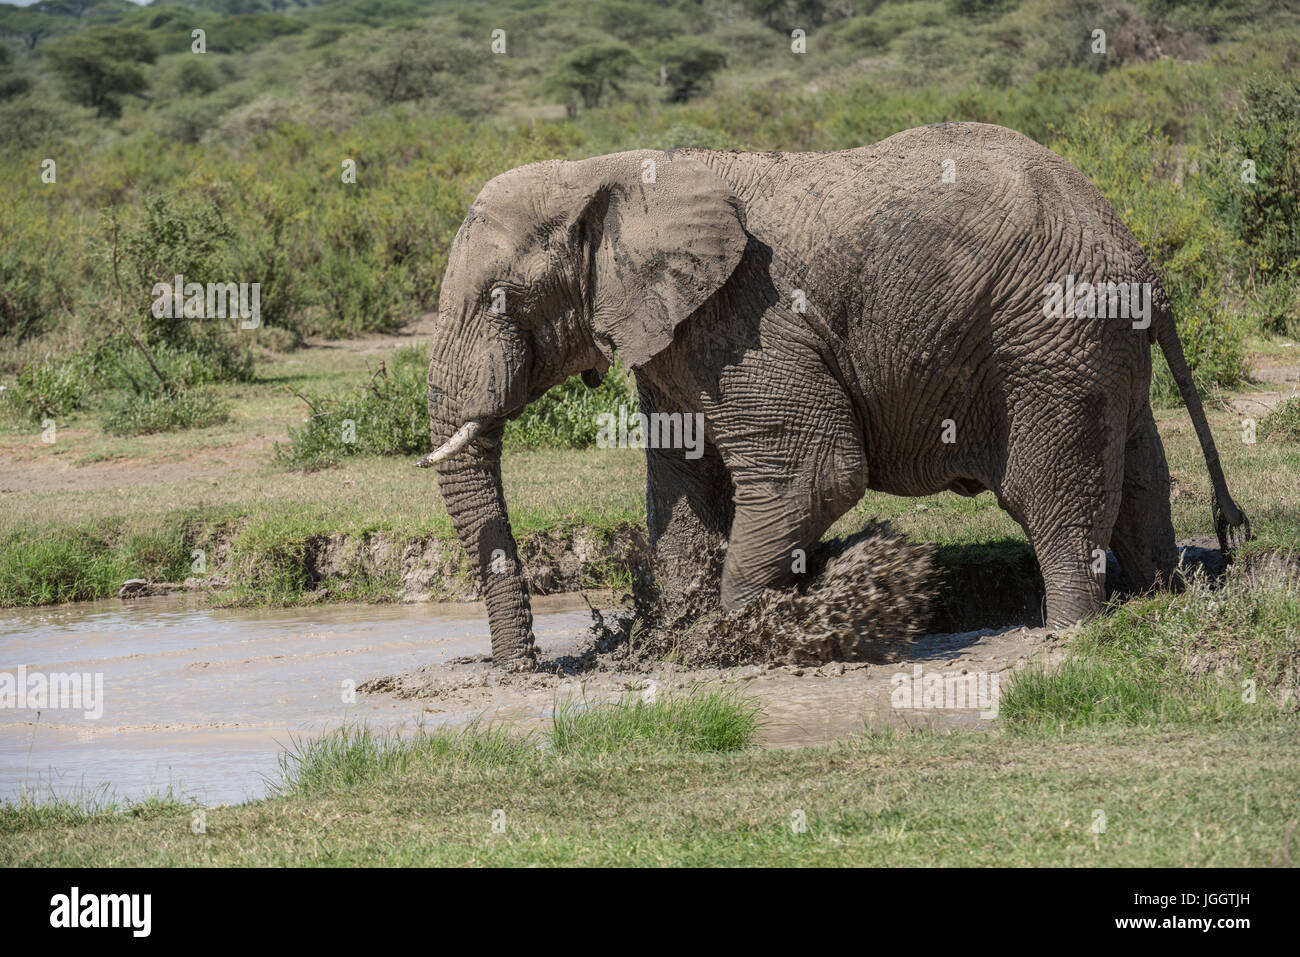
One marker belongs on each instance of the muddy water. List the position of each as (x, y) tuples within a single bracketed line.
[(201, 701)]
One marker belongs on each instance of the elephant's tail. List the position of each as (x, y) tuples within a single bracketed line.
[(1226, 512)]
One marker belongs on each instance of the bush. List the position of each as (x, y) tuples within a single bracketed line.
[(186, 120), (1274, 307), (591, 72), (1134, 166), (389, 416), (156, 393), (1265, 214), (33, 290), (52, 387), (566, 417), (132, 413), (1283, 422), (690, 63), (194, 74), (98, 66)]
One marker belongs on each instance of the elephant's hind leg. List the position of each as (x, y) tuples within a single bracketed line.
[(1062, 483), (1144, 532)]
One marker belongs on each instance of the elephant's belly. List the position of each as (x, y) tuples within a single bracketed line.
[(914, 488), (901, 469)]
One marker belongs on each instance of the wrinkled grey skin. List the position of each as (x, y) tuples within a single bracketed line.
[(924, 303)]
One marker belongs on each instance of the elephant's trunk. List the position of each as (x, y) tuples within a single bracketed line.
[(471, 489), (470, 482)]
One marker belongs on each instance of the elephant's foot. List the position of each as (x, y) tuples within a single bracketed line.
[(517, 664), (517, 658), (1074, 590)]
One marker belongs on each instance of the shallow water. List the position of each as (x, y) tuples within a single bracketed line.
[(200, 702)]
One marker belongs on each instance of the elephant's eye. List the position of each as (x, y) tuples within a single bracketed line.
[(504, 297)]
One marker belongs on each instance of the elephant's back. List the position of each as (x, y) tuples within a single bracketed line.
[(950, 175), (924, 258)]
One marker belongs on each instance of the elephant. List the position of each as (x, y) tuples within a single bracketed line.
[(887, 317)]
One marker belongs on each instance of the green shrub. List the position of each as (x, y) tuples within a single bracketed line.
[(132, 413), (388, 416), (195, 75), (1265, 213), (186, 120), (689, 64), (1133, 166), (566, 417), (591, 74), (99, 66), (135, 393), (34, 292), (1274, 307), (52, 387), (1283, 422)]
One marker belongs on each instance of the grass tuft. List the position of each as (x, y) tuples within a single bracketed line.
[(698, 720), (1208, 655), (27, 814), (1283, 423), (356, 754)]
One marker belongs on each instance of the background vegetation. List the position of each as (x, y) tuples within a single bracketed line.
[(130, 158), (229, 164)]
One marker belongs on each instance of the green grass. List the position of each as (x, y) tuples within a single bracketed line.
[(52, 564), (27, 814), (1176, 797), (701, 720), (1208, 655), (129, 414), (356, 755)]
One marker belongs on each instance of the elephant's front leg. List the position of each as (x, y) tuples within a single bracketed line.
[(688, 505), (798, 464)]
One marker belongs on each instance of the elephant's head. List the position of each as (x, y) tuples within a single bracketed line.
[(557, 267)]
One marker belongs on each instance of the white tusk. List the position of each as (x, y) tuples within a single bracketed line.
[(466, 434)]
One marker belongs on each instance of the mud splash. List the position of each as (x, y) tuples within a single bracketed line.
[(864, 597)]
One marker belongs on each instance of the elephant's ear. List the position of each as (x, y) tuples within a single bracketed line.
[(659, 235)]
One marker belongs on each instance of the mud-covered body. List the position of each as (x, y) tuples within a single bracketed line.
[(872, 318)]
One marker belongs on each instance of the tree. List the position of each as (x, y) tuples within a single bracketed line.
[(689, 64), (12, 83), (591, 70), (99, 66), (27, 25)]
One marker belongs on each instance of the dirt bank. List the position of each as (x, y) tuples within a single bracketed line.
[(411, 569)]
